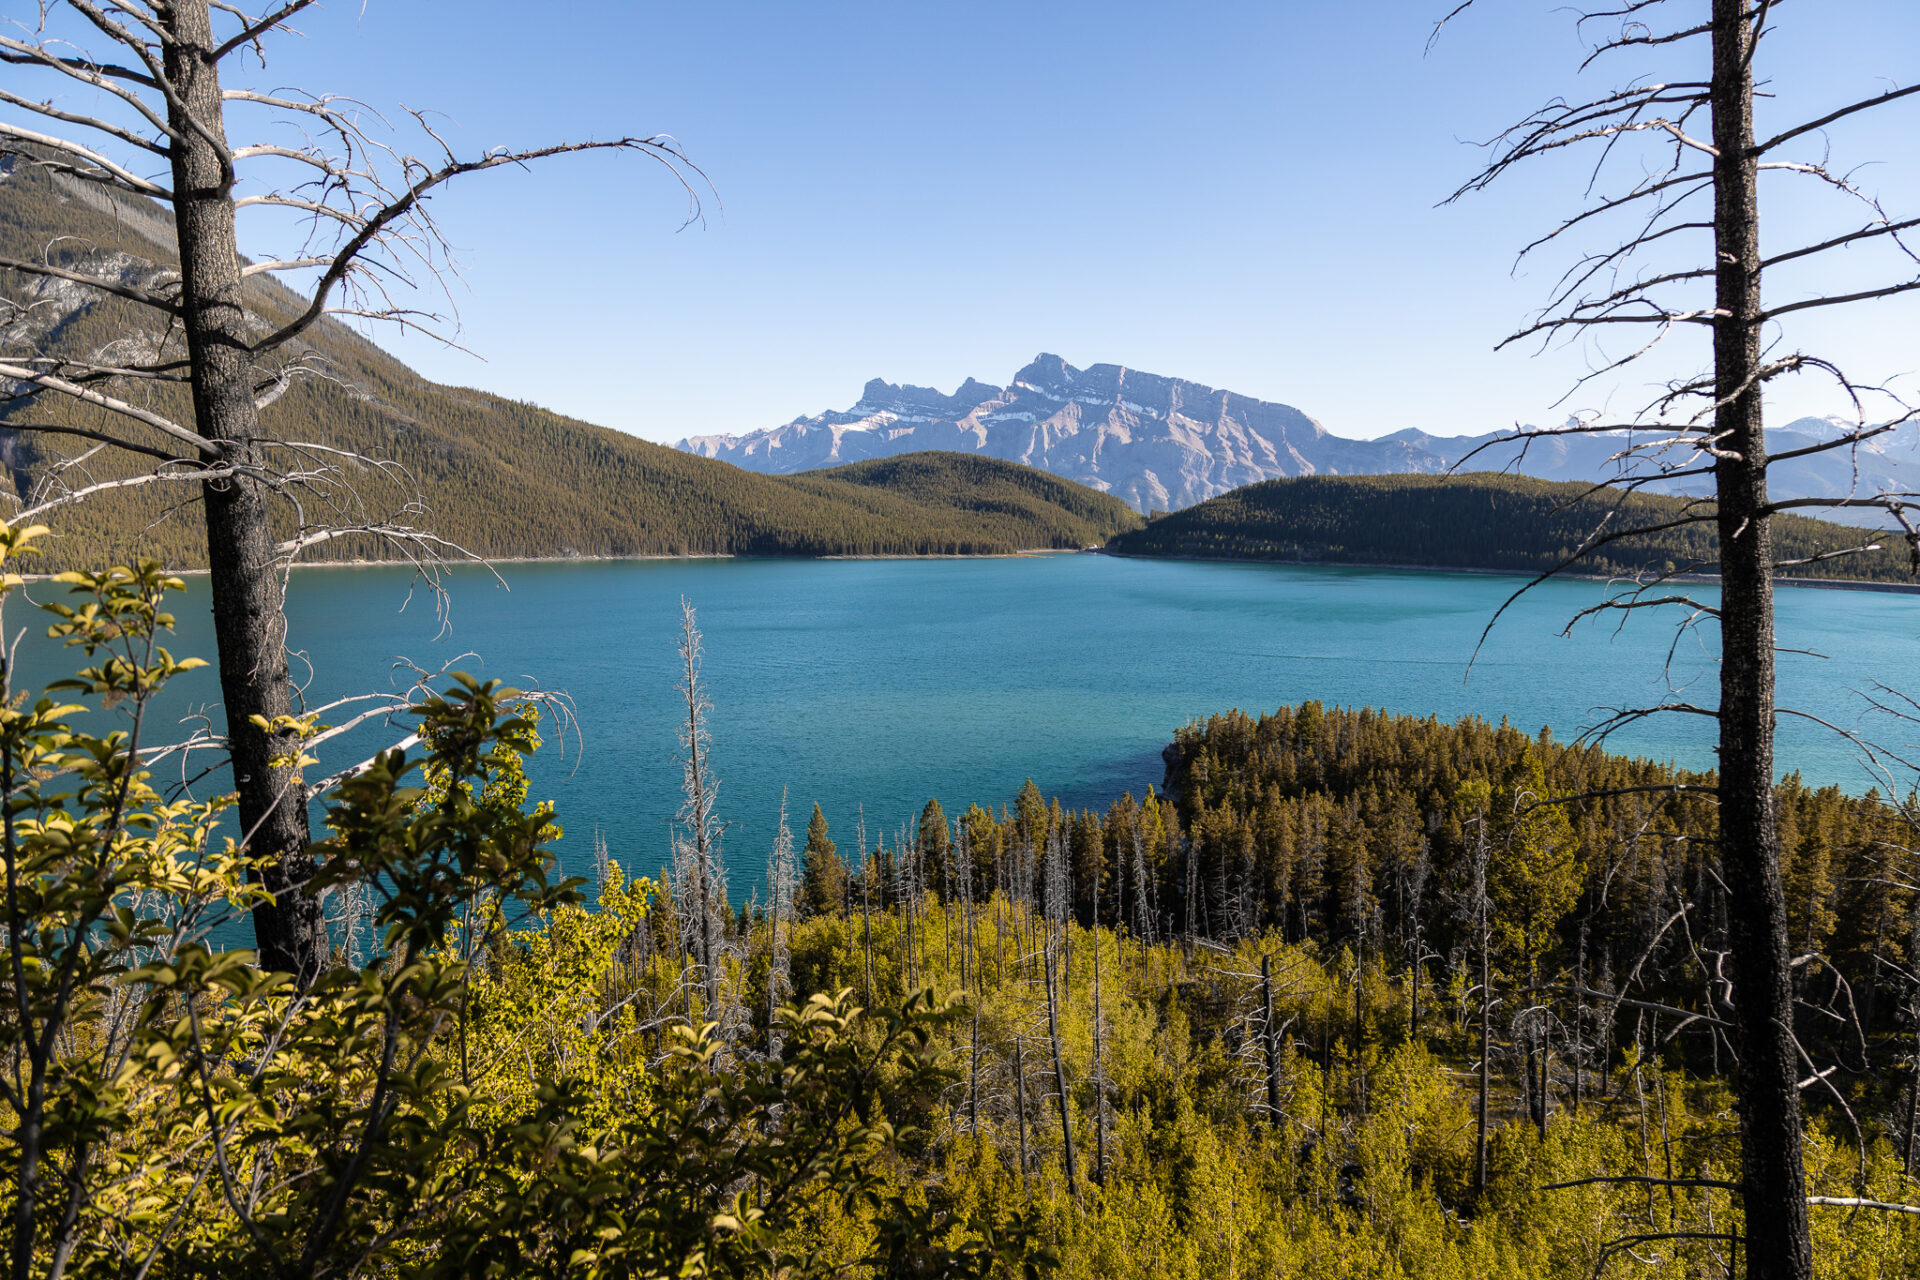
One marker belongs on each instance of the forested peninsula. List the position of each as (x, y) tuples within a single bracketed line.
[(1482, 520)]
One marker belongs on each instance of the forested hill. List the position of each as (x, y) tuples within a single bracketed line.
[(495, 476), (1483, 521)]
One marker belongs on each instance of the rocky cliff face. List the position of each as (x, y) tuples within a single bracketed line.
[(1159, 443), (1165, 443)]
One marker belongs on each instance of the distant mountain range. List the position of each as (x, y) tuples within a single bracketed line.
[(1164, 443), (498, 477)]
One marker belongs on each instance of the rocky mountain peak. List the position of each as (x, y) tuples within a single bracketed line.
[(1158, 442), (1164, 443), (907, 401), (1046, 372)]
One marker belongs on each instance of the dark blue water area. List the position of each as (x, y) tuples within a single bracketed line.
[(869, 686)]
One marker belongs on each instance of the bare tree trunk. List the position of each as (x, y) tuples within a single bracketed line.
[(697, 856), (1773, 1175), (1537, 1049), (1099, 1053), (1272, 1038), (866, 900), (1020, 1106), (1060, 1074), (1486, 1024), (1579, 1012), (1913, 1096), (973, 1075), (249, 607), (866, 918), (782, 876)]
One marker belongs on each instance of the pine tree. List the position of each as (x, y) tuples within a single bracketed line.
[(823, 872)]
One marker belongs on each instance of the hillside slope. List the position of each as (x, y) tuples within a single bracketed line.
[(494, 476), (1481, 521)]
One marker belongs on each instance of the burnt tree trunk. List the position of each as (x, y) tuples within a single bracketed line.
[(249, 617), (1060, 1077), (1271, 1037), (1020, 1108), (1773, 1177), (1486, 1044)]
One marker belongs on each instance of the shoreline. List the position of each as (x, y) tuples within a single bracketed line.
[(487, 561), (1827, 584)]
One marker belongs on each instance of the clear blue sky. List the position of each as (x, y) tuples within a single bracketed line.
[(1238, 193)]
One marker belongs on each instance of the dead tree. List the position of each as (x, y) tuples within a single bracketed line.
[(164, 136), (1100, 1085), (700, 884), (1690, 262), (1270, 1032), (866, 900), (1020, 1108), (783, 880), (963, 852), (1479, 904), (1057, 973)]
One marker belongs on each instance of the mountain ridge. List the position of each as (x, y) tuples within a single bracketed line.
[(1164, 443), (1156, 442)]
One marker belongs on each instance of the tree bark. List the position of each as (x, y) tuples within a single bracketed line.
[(1272, 1039), (1020, 1101), (1099, 1051), (1773, 1177), (1486, 1033), (1913, 1097), (1060, 1076), (249, 616)]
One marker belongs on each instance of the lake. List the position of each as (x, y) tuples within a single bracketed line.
[(881, 683)]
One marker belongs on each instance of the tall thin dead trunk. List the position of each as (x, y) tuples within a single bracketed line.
[(1913, 1097), (866, 899), (249, 607), (1271, 1036), (973, 1076), (1773, 1175), (1020, 1106), (1913, 1084), (697, 864), (1099, 1054), (1484, 927), (1579, 1014), (1060, 1076)]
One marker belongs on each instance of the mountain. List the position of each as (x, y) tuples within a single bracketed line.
[(1164, 443), (495, 476), (1481, 520), (1159, 443)]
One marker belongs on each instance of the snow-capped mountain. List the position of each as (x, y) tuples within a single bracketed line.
[(1164, 443), (1160, 443)]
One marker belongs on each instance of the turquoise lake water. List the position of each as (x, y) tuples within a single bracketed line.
[(880, 683)]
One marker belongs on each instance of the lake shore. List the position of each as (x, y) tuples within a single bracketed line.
[(1830, 584)]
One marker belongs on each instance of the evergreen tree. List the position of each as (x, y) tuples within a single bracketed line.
[(936, 847), (823, 872)]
